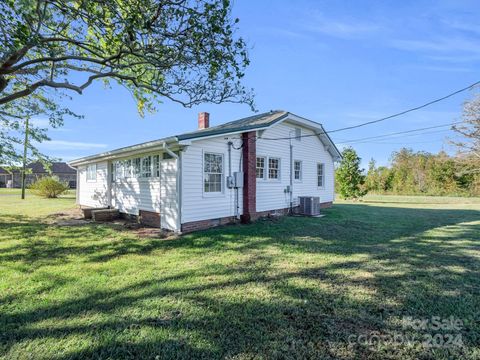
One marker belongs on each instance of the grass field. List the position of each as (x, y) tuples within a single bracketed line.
[(288, 288)]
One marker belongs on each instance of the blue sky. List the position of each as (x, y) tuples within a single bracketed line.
[(336, 62)]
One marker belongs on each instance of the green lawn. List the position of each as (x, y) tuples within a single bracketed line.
[(289, 288)]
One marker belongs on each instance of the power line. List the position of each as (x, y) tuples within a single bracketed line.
[(404, 143), (400, 133), (386, 117)]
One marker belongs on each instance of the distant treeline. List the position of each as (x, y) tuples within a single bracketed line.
[(423, 173)]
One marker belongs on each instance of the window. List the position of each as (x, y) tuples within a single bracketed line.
[(273, 168), (136, 167), (260, 168), (298, 134), (156, 165), (321, 175), (213, 172), (128, 168), (118, 170), (146, 166), (92, 172), (297, 170)]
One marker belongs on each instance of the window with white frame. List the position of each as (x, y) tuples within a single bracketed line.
[(156, 165), (212, 172), (118, 170), (136, 167), (260, 170), (298, 134), (92, 172), (274, 168), (127, 171), (320, 175), (297, 170), (146, 167)]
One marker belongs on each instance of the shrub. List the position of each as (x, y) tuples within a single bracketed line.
[(49, 187)]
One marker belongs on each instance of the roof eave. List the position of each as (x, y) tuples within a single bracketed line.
[(125, 151)]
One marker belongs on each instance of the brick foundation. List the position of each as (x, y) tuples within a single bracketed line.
[(149, 218), (105, 215), (207, 224), (325, 205)]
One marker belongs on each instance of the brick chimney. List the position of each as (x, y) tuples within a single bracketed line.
[(203, 120)]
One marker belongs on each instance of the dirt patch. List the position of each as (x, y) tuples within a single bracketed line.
[(74, 217)]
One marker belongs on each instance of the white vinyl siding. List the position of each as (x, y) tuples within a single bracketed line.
[(310, 151), (197, 205), (93, 193), (142, 183)]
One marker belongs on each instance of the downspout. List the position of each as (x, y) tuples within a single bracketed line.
[(178, 185), (235, 201), (109, 183), (77, 188), (291, 177), (238, 192)]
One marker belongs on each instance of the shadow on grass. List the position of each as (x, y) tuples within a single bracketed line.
[(391, 262)]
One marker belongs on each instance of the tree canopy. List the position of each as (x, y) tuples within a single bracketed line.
[(184, 50), (349, 175)]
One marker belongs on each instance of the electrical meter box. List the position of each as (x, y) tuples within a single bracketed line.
[(238, 179)]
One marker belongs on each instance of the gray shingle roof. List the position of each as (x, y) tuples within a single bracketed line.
[(253, 122), (248, 123), (37, 168)]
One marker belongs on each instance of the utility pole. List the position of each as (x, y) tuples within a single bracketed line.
[(25, 147)]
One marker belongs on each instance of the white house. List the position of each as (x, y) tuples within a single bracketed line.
[(239, 170)]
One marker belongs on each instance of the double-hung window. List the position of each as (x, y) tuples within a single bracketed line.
[(146, 166), (212, 173), (92, 172), (118, 170), (136, 167), (260, 169), (297, 170), (274, 168), (127, 171), (156, 165), (320, 175)]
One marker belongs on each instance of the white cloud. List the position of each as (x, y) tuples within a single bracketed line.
[(45, 124), (40, 122), (71, 145), (444, 44), (350, 28)]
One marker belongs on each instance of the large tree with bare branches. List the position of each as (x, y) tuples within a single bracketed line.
[(182, 50)]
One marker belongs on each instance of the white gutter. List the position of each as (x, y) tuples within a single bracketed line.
[(178, 185), (123, 152)]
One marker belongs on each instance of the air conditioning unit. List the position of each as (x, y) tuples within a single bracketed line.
[(309, 205)]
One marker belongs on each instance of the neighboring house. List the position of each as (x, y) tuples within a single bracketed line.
[(36, 170), (194, 180)]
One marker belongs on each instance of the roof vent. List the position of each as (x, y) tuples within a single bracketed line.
[(203, 120)]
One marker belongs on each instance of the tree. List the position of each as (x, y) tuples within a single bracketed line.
[(371, 180), (469, 129), (183, 50), (349, 175)]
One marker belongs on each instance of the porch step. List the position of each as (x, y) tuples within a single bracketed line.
[(87, 212), (105, 215)]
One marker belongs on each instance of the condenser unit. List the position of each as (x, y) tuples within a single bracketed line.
[(309, 205)]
